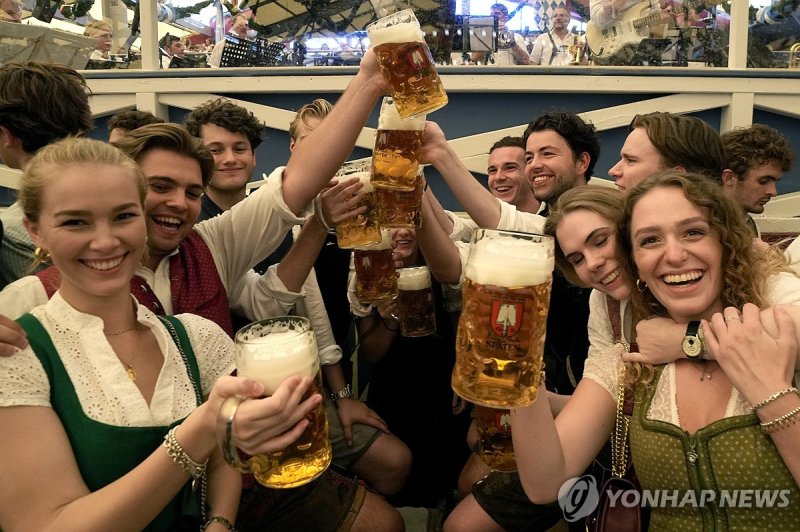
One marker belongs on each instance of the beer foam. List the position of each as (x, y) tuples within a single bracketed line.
[(399, 33), (414, 278), (385, 243), (389, 119), (509, 262), (273, 358)]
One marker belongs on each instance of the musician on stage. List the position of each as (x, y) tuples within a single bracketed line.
[(604, 13), (553, 47), (511, 49)]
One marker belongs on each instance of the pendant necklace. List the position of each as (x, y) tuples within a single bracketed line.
[(129, 365), (705, 374)]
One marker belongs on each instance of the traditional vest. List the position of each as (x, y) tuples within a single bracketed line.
[(729, 454), (195, 284)]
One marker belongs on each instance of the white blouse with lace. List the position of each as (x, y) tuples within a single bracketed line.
[(100, 379), (602, 365)]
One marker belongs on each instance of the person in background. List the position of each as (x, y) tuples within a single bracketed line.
[(10, 11), (124, 122), (102, 31), (757, 158), (171, 47), (239, 29), (552, 46), (41, 103), (511, 47)]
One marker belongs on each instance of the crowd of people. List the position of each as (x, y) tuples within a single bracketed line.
[(128, 266)]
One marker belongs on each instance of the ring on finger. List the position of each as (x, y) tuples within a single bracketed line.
[(732, 317)]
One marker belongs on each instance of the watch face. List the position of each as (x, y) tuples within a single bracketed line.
[(692, 346)]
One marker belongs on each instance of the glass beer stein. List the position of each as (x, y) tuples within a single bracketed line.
[(395, 159), (406, 63), (376, 276), (495, 446), (501, 330), (361, 230), (270, 351), (415, 302), (401, 208)]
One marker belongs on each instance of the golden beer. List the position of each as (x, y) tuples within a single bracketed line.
[(270, 351), (406, 63), (400, 208), (495, 445), (376, 276), (395, 158), (501, 330), (415, 302), (361, 230)]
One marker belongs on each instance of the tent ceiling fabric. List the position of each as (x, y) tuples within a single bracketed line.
[(285, 19)]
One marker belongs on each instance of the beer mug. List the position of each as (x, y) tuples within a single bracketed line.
[(406, 63), (361, 230), (501, 330), (270, 351), (415, 302), (376, 277), (401, 208), (495, 446), (395, 159)]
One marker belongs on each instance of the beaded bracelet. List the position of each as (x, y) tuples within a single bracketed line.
[(182, 458), (781, 422), (218, 519), (774, 397)]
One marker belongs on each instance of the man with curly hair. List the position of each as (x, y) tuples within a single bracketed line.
[(757, 158), (39, 104)]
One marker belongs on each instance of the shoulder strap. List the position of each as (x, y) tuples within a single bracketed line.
[(554, 50), (178, 333), (613, 315)]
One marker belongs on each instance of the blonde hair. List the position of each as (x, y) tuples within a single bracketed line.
[(96, 27), (319, 108), (50, 161)]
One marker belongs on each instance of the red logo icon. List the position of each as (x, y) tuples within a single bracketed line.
[(506, 318)]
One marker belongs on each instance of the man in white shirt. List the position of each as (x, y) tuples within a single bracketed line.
[(238, 29), (552, 47)]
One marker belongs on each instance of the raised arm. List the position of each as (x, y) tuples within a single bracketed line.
[(439, 251), (476, 200), (314, 161)]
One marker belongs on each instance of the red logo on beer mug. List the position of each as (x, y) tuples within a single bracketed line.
[(506, 318), (502, 421)]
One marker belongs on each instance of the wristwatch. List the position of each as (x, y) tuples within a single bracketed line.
[(693, 341), (344, 393)]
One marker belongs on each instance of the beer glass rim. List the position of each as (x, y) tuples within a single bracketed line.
[(412, 268), (381, 22), (302, 324)]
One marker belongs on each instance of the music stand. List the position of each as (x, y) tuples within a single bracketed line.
[(246, 53), (474, 34), (23, 42)]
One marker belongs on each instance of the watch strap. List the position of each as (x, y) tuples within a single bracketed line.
[(344, 393)]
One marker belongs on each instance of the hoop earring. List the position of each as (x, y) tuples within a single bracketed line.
[(41, 255), (641, 286)]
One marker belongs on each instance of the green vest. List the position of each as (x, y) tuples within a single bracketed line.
[(104, 452), (729, 454)]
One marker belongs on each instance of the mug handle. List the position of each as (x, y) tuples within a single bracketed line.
[(227, 413)]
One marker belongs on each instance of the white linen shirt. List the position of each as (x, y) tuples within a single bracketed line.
[(101, 381)]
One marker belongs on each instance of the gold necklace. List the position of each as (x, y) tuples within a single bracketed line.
[(129, 365), (120, 331), (704, 373)]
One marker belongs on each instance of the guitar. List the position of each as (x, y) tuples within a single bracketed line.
[(633, 26)]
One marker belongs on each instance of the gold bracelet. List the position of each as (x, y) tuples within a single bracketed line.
[(182, 458), (775, 396), (781, 422), (224, 521)]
